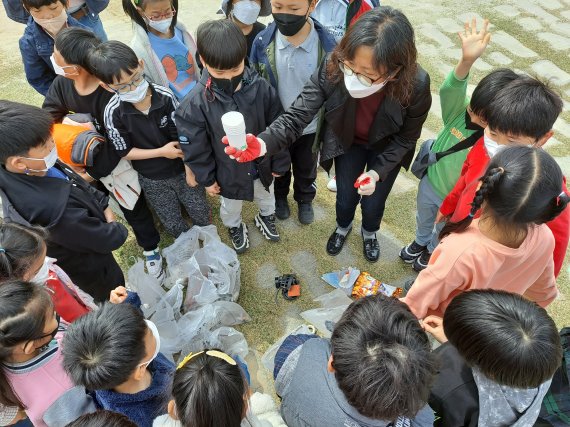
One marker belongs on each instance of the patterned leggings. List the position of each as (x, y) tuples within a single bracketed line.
[(166, 195)]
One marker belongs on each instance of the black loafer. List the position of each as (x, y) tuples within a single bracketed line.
[(282, 210), (371, 249), (336, 242)]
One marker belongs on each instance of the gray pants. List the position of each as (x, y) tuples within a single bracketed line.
[(428, 203), (230, 209), (166, 195)]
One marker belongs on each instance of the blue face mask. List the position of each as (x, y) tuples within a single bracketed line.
[(49, 160)]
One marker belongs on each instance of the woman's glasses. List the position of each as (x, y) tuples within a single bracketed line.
[(365, 80)]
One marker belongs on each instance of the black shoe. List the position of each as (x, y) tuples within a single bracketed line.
[(282, 210), (336, 242), (306, 213), (411, 252), (371, 249), (239, 237), (266, 225), (422, 261)]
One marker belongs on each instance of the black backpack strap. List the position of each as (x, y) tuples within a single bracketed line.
[(461, 145)]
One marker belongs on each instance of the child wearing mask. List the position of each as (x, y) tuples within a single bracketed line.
[(139, 120), (286, 54), (227, 84), (163, 44), (114, 351), (337, 15)]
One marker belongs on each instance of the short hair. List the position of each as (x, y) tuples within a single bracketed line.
[(510, 339), (39, 3), (22, 246), (102, 348), (110, 59), (524, 107), (382, 358), (102, 418), (74, 44), (221, 44), (22, 127), (488, 88)]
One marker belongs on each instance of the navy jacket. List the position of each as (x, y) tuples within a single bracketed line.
[(16, 11), (36, 47)]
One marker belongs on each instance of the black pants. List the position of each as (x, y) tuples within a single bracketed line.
[(304, 163)]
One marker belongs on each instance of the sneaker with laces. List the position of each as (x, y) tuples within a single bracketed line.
[(153, 264), (422, 261), (266, 225), (411, 252), (240, 239), (331, 185)]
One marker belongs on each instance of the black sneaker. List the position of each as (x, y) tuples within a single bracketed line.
[(336, 242), (422, 261), (306, 213), (282, 210), (239, 237), (371, 249), (411, 252), (266, 225)]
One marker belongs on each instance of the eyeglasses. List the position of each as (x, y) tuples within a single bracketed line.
[(166, 15), (52, 333), (124, 88), (365, 80), (213, 353)]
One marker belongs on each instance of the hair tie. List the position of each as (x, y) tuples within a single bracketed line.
[(471, 215), (501, 169), (559, 197)]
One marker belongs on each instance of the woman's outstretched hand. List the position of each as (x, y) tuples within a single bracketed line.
[(255, 148), (366, 183)]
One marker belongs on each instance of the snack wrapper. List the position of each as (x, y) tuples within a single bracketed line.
[(367, 285)]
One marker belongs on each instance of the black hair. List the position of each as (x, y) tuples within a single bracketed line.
[(130, 8), (110, 59), (213, 35), (524, 107), (488, 88), (521, 186), (102, 418), (382, 358), (102, 348), (28, 4), (510, 339), (389, 33), (208, 391), (21, 247), (22, 127), (74, 44), (23, 308)]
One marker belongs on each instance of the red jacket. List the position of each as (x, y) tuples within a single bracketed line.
[(457, 204)]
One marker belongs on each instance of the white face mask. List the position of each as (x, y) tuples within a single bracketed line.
[(53, 25), (154, 331), (49, 160), (161, 26), (491, 146), (42, 276), (61, 70), (135, 96), (246, 11), (357, 90)]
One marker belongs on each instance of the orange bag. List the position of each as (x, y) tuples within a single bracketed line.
[(76, 145)]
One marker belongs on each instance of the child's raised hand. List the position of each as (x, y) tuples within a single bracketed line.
[(434, 326), (118, 295), (172, 150), (474, 43)]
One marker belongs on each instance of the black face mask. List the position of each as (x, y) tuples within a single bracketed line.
[(228, 85), (469, 124), (289, 24)]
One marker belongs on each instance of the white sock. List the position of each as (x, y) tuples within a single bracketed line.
[(367, 235), (343, 231)]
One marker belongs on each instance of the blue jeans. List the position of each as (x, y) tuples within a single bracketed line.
[(428, 203), (95, 24), (348, 167)]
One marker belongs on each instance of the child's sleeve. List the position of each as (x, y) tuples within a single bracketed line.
[(450, 202), (196, 144), (53, 103), (39, 74), (543, 291), (116, 132), (453, 97)]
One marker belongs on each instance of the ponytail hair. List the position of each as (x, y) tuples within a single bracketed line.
[(23, 309), (20, 247), (130, 8), (522, 186)]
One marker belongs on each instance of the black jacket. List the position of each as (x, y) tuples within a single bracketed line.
[(72, 211), (393, 134), (454, 396), (200, 132)]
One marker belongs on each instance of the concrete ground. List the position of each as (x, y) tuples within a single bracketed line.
[(529, 36)]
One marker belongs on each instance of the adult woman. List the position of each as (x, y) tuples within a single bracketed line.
[(376, 99)]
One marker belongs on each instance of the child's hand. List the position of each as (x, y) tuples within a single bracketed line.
[(255, 148), (190, 177), (213, 189), (109, 215), (474, 43), (172, 150), (439, 217), (434, 326), (276, 175), (118, 295)]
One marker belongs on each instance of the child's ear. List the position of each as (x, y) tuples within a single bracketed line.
[(104, 86), (312, 6), (28, 347), (172, 410), (15, 164), (544, 138), (330, 366), (141, 63), (139, 372)]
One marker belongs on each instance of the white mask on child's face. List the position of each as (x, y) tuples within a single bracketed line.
[(42, 276), (246, 11), (161, 26), (135, 96), (491, 146), (154, 331), (49, 160)]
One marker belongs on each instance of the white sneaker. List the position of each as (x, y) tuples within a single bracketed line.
[(153, 264), (331, 185)]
